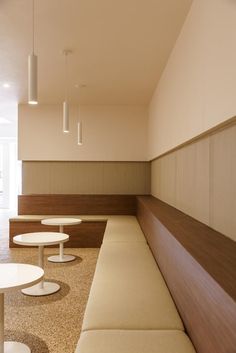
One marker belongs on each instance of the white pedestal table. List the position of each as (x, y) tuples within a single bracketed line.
[(61, 222), (13, 277), (41, 239)]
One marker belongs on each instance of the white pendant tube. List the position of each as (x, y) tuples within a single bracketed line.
[(80, 133), (32, 79), (65, 117)]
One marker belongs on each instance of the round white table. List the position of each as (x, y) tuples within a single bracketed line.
[(12, 277), (61, 222), (41, 239)]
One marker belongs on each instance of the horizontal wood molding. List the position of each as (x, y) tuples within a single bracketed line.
[(87, 234), (199, 266), (76, 204)]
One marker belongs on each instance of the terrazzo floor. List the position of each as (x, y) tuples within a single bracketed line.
[(49, 324)]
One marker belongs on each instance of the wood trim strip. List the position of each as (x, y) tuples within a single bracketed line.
[(62, 204)]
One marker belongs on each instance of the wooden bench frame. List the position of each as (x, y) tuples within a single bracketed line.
[(199, 267)]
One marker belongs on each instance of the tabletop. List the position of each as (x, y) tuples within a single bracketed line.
[(18, 276), (40, 238), (61, 221)]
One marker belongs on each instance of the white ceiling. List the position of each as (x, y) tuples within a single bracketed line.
[(120, 47)]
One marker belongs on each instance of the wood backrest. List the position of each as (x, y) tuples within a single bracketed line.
[(199, 267), (61, 204)]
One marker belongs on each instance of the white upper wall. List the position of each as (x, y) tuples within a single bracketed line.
[(197, 90), (8, 120), (110, 133)]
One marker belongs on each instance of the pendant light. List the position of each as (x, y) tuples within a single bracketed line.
[(79, 123), (32, 69), (80, 142), (65, 103), (65, 117)]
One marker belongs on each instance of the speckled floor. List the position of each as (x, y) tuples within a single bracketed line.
[(49, 324)]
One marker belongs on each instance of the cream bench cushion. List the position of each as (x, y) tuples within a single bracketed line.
[(128, 291), (123, 228), (122, 341), (38, 218)]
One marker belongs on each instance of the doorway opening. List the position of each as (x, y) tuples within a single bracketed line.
[(9, 174), (10, 167)]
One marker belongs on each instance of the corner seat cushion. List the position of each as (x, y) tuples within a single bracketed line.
[(123, 228), (119, 341), (129, 292)]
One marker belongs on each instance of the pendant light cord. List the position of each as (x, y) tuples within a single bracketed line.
[(33, 25), (78, 99)]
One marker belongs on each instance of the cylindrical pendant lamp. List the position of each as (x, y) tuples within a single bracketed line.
[(65, 116), (80, 133), (32, 79)]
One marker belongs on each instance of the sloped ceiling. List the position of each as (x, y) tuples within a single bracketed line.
[(120, 47)]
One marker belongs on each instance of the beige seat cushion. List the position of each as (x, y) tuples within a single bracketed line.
[(128, 291), (134, 342), (38, 218), (123, 228)]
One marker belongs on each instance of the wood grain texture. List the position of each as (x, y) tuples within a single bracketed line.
[(87, 234), (199, 266), (76, 204)]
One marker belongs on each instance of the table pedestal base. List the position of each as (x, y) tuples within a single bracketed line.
[(58, 258), (40, 290), (16, 347)]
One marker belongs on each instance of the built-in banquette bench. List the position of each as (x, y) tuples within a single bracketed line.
[(131, 308)]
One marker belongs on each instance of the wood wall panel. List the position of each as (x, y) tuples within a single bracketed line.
[(156, 178), (223, 185), (54, 177), (168, 179), (200, 179), (40, 175), (192, 180), (199, 266), (67, 177), (84, 235), (76, 204)]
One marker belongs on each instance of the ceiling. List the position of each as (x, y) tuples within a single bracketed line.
[(120, 48)]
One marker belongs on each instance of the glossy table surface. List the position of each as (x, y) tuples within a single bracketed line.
[(40, 238), (18, 276), (61, 221)]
